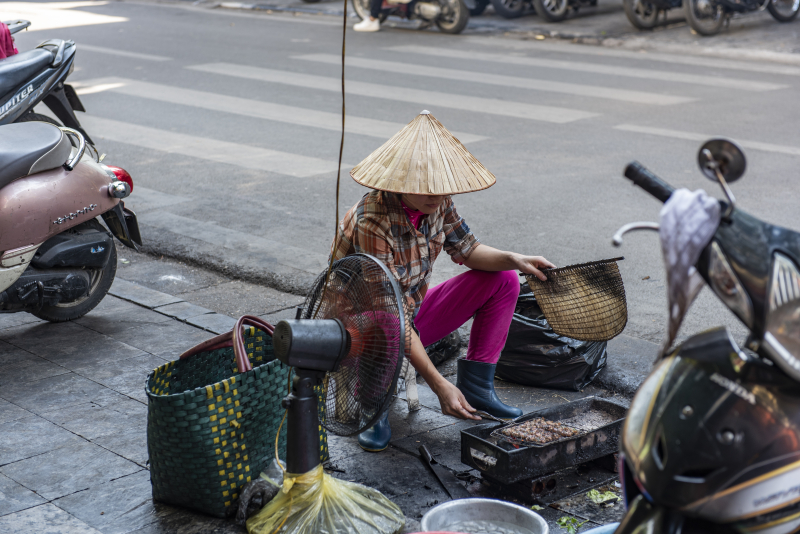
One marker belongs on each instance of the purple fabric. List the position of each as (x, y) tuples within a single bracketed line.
[(414, 216), (6, 42), (489, 296)]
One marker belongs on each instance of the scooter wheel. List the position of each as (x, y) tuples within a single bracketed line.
[(706, 17), (101, 280), (784, 10), (552, 10), (456, 20), (642, 14), (36, 117)]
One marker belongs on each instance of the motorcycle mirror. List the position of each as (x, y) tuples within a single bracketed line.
[(722, 161), (721, 157)]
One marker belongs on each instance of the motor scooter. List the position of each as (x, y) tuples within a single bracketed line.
[(450, 16), (707, 17), (57, 260), (711, 442), (40, 75)]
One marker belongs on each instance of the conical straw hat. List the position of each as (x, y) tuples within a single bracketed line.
[(423, 158)]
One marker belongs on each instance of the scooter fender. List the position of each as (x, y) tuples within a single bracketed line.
[(37, 207)]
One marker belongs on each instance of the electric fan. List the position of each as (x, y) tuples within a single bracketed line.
[(347, 348), (349, 341)]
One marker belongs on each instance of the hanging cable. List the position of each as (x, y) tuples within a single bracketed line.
[(339, 167)]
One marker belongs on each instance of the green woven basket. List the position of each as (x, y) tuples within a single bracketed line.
[(210, 428)]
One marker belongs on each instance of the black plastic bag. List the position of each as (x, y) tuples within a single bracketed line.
[(445, 348), (534, 355)]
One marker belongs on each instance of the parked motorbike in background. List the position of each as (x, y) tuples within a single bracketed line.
[(450, 16), (711, 442), (644, 14), (57, 261), (707, 17), (550, 10), (39, 75)]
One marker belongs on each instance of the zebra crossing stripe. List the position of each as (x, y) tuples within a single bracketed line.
[(421, 98), (673, 55), (594, 91), (251, 108), (246, 156), (594, 68), (689, 136)]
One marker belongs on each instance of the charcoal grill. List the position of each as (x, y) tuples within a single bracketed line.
[(599, 422)]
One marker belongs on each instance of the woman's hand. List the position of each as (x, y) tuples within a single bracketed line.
[(450, 397), (452, 401), (486, 258), (531, 265)]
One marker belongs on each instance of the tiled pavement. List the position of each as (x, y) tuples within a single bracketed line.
[(73, 453)]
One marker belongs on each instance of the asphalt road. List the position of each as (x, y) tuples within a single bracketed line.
[(228, 122)]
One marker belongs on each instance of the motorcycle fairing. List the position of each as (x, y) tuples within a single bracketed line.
[(47, 87), (746, 242), (24, 98), (716, 413), (646, 518), (37, 207), (9, 273)]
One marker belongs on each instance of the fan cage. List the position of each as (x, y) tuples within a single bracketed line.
[(363, 294), (585, 301)]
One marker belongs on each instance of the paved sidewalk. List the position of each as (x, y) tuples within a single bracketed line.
[(73, 412)]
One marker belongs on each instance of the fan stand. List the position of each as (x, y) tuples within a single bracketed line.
[(302, 435)]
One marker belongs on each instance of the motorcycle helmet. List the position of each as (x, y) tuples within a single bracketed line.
[(713, 434)]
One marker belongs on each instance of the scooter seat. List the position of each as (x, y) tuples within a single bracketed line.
[(31, 147), (16, 70)]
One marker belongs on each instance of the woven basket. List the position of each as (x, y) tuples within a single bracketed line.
[(585, 301), (210, 428)]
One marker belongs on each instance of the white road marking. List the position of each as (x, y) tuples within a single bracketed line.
[(121, 53), (611, 70), (251, 108), (425, 99), (643, 55), (246, 156), (88, 89), (623, 95), (53, 15), (689, 136)]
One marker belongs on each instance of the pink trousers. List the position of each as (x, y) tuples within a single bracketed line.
[(488, 296)]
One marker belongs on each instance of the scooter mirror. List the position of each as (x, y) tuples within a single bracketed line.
[(721, 157)]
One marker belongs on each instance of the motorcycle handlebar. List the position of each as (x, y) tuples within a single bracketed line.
[(639, 175)]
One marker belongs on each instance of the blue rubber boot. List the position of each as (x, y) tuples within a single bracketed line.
[(376, 438), (476, 382)]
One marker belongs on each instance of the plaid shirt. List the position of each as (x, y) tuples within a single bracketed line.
[(379, 226)]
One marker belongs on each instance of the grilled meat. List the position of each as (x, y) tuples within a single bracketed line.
[(539, 430)]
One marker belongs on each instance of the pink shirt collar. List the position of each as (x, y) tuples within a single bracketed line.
[(414, 216)]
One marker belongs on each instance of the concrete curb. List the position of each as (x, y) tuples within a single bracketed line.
[(247, 265), (172, 306), (630, 361)]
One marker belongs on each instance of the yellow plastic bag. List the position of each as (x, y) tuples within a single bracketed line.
[(317, 503)]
